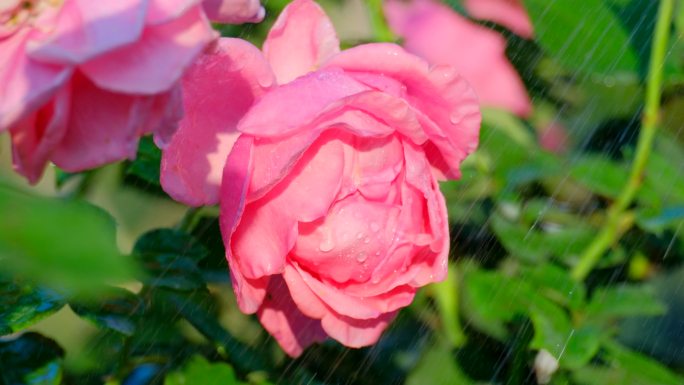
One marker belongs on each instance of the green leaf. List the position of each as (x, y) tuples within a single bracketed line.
[(196, 307), (583, 35), (61, 243), (608, 303), (200, 371), (493, 299), (659, 221), (556, 284), (445, 294), (170, 257), (169, 241), (438, 366), (118, 310), (600, 175), (533, 246), (638, 369), (23, 305), (146, 165), (30, 359)]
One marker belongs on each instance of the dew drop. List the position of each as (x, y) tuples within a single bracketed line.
[(361, 257), (360, 235), (326, 244), (374, 227), (366, 240)]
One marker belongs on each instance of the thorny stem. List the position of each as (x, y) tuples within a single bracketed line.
[(614, 225), (378, 21)]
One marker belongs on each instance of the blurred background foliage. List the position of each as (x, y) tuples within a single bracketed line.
[(105, 280)]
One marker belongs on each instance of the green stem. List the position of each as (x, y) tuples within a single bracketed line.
[(378, 22), (614, 225), (188, 220)]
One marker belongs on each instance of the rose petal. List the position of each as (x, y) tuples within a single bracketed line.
[(103, 127), (217, 91), (162, 11), (249, 293), (287, 109), (156, 60), (280, 316), (35, 137), (349, 242), (476, 52), (509, 13), (268, 230), (85, 29), (302, 28), (234, 11), (26, 84), (444, 103), (356, 333)]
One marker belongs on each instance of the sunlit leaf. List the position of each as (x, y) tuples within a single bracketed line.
[(200, 371), (584, 36), (22, 305), (623, 301)]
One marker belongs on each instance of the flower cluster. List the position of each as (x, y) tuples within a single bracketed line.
[(325, 163)]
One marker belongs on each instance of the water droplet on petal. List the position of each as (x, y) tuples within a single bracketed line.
[(362, 256), (366, 240), (326, 244), (360, 235), (374, 227)]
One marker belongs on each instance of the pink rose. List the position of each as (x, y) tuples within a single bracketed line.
[(234, 11), (509, 13), (330, 207), (477, 53), (82, 80)]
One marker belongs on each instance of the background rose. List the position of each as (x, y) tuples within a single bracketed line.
[(81, 80), (476, 52), (330, 208), (509, 13)]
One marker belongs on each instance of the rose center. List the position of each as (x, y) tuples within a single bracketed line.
[(16, 12)]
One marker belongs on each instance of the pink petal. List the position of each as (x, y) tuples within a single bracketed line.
[(442, 101), (509, 13), (356, 333), (25, 85), (155, 61), (249, 293), (217, 91), (35, 137), (85, 29), (358, 307), (163, 11), (103, 127), (234, 11), (165, 113), (293, 330), (263, 239), (268, 229), (300, 40), (287, 109), (349, 242), (477, 53)]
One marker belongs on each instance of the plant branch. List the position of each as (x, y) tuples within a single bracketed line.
[(613, 228)]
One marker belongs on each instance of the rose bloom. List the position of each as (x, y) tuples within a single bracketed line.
[(82, 80), (509, 13), (476, 52), (326, 166)]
